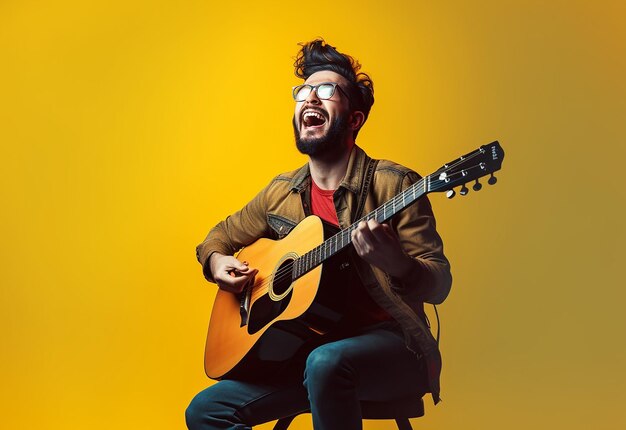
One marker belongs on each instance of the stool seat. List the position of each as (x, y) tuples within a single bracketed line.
[(400, 410), (411, 407)]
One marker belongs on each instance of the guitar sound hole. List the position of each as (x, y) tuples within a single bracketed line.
[(264, 309), (282, 280)]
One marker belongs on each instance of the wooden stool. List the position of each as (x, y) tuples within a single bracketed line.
[(400, 410)]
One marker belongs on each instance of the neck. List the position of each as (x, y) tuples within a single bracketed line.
[(329, 172)]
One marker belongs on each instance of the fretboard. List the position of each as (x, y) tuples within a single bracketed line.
[(342, 239)]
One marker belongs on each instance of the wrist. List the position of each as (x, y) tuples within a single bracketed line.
[(213, 261)]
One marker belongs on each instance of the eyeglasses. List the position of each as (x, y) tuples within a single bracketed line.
[(323, 91)]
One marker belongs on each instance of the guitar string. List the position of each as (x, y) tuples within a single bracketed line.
[(285, 271), (282, 273), (396, 199)]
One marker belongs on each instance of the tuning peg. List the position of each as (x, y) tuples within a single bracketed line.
[(492, 180), (464, 190), (450, 194), (477, 186)]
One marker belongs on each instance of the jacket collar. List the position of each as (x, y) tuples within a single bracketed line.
[(351, 181)]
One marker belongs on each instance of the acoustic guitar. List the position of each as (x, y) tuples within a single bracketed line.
[(284, 308)]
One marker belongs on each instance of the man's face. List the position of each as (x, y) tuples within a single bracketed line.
[(320, 126)]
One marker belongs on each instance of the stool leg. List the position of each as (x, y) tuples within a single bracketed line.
[(404, 424), (283, 423)]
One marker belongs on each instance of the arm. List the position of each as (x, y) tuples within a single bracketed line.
[(411, 251), (238, 230)]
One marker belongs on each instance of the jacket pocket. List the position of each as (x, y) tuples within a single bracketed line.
[(280, 225)]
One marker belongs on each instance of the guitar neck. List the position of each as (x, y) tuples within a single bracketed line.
[(474, 165), (341, 240)]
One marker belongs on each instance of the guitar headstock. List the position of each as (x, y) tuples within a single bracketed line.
[(470, 167)]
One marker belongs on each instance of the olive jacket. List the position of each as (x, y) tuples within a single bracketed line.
[(283, 203)]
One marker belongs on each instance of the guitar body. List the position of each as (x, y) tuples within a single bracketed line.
[(280, 316)]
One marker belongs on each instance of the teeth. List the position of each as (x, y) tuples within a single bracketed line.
[(314, 114)]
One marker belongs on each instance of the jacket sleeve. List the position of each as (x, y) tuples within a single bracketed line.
[(238, 230), (430, 279)]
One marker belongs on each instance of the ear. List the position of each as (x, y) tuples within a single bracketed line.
[(357, 118)]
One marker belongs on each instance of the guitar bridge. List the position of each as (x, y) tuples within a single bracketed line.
[(244, 305)]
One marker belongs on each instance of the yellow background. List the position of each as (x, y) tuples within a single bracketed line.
[(129, 128)]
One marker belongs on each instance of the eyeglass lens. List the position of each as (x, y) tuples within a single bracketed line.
[(323, 91)]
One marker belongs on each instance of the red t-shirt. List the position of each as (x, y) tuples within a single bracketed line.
[(322, 204), (366, 311)]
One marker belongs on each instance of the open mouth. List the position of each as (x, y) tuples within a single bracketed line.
[(313, 119)]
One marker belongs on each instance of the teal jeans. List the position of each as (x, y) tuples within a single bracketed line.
[(373, 364)]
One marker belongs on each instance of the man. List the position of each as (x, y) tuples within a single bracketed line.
[(383, 350)]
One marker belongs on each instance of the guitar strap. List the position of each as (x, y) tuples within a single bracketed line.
[(365, 186)]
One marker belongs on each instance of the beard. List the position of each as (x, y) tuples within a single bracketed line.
[(329, 144)]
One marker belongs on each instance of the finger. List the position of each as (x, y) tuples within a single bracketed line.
[(241, 266), (241, 271), (356, 242), (363, 241), (246, 271), (365, 235), (377, 229), (234, 285), (372, 224), (237, 287), (228, 283)]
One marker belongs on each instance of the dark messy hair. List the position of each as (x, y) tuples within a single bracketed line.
[(317, 55)]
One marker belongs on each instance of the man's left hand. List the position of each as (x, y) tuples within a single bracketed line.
[(378, 245)]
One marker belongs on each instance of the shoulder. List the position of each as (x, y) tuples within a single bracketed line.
[(290, 176), (395, 172), (286, 184)]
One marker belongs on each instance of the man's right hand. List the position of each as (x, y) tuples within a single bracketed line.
[(229, 273)]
